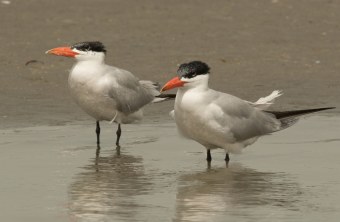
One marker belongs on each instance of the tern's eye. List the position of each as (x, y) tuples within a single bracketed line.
[(191, 75)]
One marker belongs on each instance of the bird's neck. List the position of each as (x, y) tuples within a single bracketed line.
[(90, 63), (87, 70), (187, 95)]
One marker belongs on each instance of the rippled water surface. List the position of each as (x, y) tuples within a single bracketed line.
[(56, 173)]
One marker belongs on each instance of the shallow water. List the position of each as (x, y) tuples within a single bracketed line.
[(53, 173)]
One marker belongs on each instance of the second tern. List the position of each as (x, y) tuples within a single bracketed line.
[(219, 120)]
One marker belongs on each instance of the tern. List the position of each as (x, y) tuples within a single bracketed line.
[(219, 120), (105, 92)]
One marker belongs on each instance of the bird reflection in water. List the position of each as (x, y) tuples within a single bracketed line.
[(235, 192), (107, 188)]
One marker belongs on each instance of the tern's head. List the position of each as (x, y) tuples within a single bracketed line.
[(192, 74), (81, 51)]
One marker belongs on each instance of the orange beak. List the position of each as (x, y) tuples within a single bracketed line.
[(173, 83), (62, 51)]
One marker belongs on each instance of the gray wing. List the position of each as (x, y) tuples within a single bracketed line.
[(242, 119), (127, 91)]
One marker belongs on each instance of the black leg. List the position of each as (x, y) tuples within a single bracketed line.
[(98, 132), (119, 132), (208, 155), (227, 158)]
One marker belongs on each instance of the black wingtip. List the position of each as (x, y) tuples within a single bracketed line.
[(284, 114), (166, 96)]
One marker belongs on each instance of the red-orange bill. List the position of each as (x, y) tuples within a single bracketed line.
[(62, 51), (173, 83)]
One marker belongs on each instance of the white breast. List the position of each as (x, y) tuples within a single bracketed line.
[(193, 119), (89, 86)]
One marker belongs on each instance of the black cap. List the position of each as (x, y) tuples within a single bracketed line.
[(89, 46), (192, 69)]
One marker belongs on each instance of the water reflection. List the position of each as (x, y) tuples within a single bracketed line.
[(235, 193), (107, 188)]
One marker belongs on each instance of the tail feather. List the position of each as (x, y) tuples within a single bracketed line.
[(269, 99), (265, 102), (289, 118)]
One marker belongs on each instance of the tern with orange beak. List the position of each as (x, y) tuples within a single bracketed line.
[(219, 120), (105, 92)]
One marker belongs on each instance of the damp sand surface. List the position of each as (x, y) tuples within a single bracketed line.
[(55, 173)]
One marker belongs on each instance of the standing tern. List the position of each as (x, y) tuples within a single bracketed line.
[(105, 92), (219, 120)]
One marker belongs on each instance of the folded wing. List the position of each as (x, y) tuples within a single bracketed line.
[(129, 92), (242, 119)]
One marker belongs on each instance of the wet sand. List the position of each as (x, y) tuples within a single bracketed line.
[(49, 167), (56, 176)]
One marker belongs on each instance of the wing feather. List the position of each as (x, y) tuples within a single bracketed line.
[(127, 91), (242, 119)]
